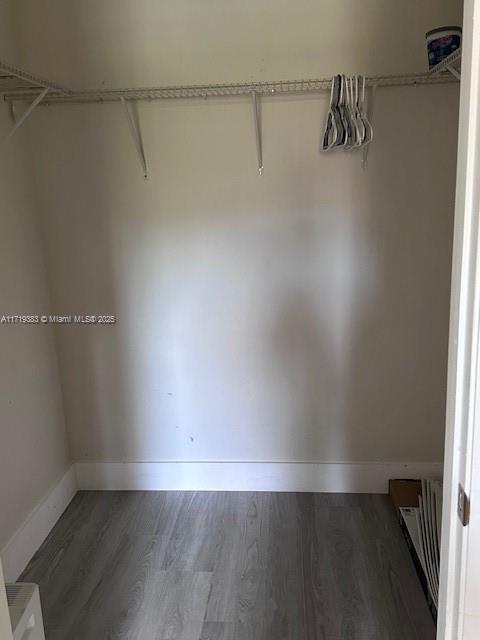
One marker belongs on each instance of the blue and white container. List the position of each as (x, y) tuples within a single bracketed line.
[(442, 42)]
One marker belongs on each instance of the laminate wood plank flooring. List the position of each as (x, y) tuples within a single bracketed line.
[(140, 565)]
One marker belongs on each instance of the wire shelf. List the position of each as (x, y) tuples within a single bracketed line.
[(16, 85), (19, 82)]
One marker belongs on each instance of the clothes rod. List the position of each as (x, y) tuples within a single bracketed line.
[(270, 88)]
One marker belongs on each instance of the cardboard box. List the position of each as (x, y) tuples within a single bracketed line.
[(404, 492)]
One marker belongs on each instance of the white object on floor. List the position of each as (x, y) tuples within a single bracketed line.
[(409, 515), (428, 515), (5, 626), (25, 611)]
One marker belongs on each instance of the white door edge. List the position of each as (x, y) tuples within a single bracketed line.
[(464, 332)]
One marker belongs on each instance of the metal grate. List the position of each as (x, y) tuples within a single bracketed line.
[(19, 596)]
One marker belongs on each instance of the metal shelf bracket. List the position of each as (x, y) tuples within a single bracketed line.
[(136, 134), (451, 63), (258, 130), (28, 111), (454, 72)]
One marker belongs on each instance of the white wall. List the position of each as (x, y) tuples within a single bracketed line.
[(298, 316), (33, 451)]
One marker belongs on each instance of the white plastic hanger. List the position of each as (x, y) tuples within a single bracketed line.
[(355, 137), (363, 113), (358, 116), (331, 130)]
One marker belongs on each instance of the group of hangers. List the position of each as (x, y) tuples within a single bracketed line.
[(347, 122)]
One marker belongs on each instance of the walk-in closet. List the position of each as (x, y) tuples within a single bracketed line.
[(238, 320)]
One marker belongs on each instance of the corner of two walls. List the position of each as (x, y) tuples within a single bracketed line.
[(34, 456), (36, 477)]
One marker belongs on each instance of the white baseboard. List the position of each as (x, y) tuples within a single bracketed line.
[(321, 477), (28, 538), (334, 477)]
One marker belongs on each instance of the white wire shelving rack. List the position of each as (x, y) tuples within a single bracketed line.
[(17, 86), (58, 94), (15, 81)]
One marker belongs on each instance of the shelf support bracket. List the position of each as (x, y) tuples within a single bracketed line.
[(28, 111), (258, 130), (136, 137), (13, 112), (454, 72)]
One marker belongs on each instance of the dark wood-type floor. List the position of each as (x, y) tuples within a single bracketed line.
[(228, 566)]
